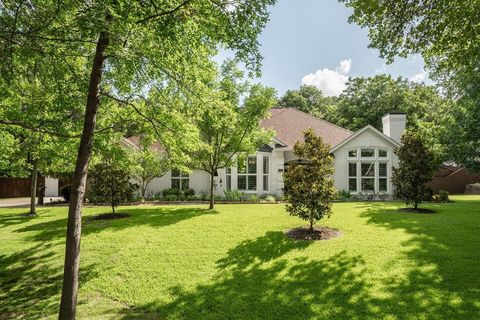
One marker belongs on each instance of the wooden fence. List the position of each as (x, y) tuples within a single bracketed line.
[(17, 187)]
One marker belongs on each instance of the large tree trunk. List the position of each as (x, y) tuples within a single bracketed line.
[(68, 304), (33, 190), (212, 187)]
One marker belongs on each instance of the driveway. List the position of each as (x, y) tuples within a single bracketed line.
[(23, 202)]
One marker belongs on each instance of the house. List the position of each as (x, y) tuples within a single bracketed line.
[(363, 159)]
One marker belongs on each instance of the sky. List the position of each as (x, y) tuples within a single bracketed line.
[(311, 42)]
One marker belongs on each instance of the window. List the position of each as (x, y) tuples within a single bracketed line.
[(228, 182), (382, 174), (180, 180), (368, 153), (266, 172), (247, 173), (352, 176), (369, 172)]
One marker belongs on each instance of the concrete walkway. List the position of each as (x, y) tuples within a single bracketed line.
[(23, 202)]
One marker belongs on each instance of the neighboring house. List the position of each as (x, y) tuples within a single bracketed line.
[(363, 159)]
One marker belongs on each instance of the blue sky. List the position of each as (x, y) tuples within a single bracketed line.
[(309, 39)]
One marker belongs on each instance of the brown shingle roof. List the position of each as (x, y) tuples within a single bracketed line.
[(289, 125)]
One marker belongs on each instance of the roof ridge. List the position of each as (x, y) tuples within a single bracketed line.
[(320, 119)]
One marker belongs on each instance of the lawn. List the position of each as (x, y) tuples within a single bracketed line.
[(184, 262)]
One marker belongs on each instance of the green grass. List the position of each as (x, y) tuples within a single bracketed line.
[(185, 262)]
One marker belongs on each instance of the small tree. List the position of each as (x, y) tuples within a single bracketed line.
[(110, 184), (417, 165), (308, 183), (150, 164)]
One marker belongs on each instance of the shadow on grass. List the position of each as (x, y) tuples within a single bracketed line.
[(11, 219), (155, 217), (29, 286), (255, 282), (444, 250)]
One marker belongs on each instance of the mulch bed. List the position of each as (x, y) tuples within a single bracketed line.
[(318, 233), (418, 210), (110, 216)]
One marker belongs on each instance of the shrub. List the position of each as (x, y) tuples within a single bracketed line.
[(343, 195), (189, 192), (253, 197), (270, 198), (309, 189), (441, 196), (234, 195), (170, 197), (65, 191), (171, 192)]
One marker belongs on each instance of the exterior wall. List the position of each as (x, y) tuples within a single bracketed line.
[(368, 139), (198, 181), (51, 187)]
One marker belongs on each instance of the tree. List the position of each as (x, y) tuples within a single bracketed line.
[(124, 47), (446, 34), (308, 99), (108, 183), (228, 128), (150, 162), (309, 189), (365, 100), (416, 168)]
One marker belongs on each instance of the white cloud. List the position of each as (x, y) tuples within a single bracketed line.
[(330, 82), (419, 77)]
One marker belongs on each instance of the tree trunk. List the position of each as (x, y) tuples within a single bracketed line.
[(33, 190), (212, 187), (311, 225), (68, 303)]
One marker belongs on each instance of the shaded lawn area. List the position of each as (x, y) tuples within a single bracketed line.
[(184, 262)]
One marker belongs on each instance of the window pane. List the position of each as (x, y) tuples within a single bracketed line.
[(352, 184), (352, 153), (176, 183), (229, 182), (175, 173), (368, 184), (265, 183), (241, 164), (382, 184), (382, 169), (382, 153), (266, 166), (252, 182), (242, 183), (185, 184), (368, 169), (352, 169), (368, 153), (252, 164), (184, 174), (228, 170)]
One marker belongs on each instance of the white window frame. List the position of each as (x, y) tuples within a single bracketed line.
[(248, 175), (376, 159), (182, 177)]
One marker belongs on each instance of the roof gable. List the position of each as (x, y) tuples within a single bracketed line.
[(290, 124), (359, 132)]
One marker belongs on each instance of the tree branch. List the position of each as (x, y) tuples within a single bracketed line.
[(164, 13)]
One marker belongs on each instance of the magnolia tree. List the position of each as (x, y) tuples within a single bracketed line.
[(309, 189), (416, 168)]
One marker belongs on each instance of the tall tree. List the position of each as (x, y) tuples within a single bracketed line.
[(308, 99), (125, 47), (446, 34), (229, 128), (416, 168), (365, 100), (309, 189)]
